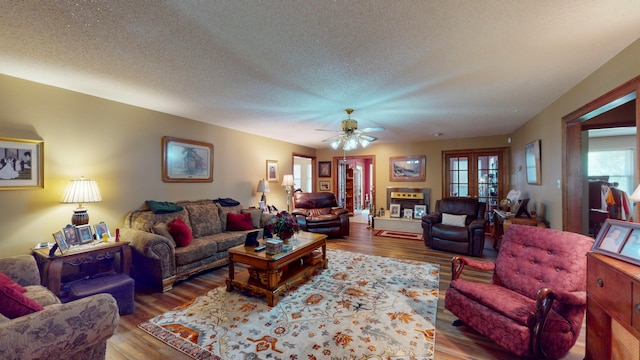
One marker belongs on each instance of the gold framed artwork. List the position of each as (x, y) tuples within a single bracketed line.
[(407, 168), (21, 164), (272, 170), (532, 162), (325, 185), (186, 160)]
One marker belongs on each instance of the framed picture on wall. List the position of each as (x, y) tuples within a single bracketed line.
[(324, 169), (325, 185), (407, 168), (532, 162), (21, 164), (272, 170), (186, 160)]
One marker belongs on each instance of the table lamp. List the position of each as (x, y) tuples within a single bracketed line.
[(263, 187), (288, 183), (81, 191)]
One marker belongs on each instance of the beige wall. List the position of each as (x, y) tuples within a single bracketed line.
[(120, 147)]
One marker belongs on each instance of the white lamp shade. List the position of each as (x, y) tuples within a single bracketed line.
[(636, 195), (287, 180), (81, 191), (263, 186)]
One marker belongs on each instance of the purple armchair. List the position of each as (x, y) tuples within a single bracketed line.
[(536, 303)]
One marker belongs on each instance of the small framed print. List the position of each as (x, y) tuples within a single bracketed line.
[(100, 229), (62, 244), (70, 235), (325, 185), (272, 170), (394, 210), (419, 211), (324, 169), (407, 214), (84, 234), (619, 239)]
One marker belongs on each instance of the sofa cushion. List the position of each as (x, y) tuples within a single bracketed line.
[(15, 304), (145, 219), (204, 217), (41, 295), (200, 248), (224, 210), (180, 232), (162, 207), (256, 216), (236, 222), (6, 281), (453, 220)]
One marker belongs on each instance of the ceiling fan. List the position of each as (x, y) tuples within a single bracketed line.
[(350, 137)]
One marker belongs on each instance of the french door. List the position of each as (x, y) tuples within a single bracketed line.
[(478, 173)]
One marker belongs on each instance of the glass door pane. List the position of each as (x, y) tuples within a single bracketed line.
[(459, 176)]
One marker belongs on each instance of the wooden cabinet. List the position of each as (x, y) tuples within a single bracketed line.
[(613, 308), (349, 189)]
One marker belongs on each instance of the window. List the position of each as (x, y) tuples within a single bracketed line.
[(617, 164)]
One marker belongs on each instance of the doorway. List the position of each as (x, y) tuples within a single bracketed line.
[(617, 108), (355, 184)]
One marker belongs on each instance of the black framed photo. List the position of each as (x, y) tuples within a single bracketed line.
[(619, 239), (324, 168), (70, 235), (84, 234)]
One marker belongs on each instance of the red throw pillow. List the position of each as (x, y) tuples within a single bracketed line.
[(237, 222), (180, 232), (14, 304), (6, 281)]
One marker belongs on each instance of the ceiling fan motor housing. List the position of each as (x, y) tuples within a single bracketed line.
[(349, 125)]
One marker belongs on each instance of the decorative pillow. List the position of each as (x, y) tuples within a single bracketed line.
[(180, 232), (237, 222), (14, 304), (256, 216), (453, 220), (161, 228), (162, 207), (6, 281)]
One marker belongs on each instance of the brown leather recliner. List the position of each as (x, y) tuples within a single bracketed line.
[(466, 237), (319, 213)]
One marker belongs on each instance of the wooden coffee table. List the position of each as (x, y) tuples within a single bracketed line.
[(271, 274)]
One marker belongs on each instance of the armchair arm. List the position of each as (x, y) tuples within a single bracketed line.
[(22, 269), (78, 329), (151, 251), (431, 219), (477, 224), (339, 211), (458, 263)]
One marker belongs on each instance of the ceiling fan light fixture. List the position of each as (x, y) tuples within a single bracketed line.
[(351, 138), (335, 144), (364, 142)]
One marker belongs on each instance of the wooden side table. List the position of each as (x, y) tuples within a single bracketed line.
[(503, 219), (51, 266)]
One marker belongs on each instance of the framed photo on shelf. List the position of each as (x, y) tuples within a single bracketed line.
[(419, 211), (394, 210), (619, 239), (70, 235), (21, 164), (324, 169), (186, 160), (407, 168), (84, 234), (62, 244), (408, 214), (272, 170), (100, 229), (325, 185)]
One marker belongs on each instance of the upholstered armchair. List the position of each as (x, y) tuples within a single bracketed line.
[(75, 330), (537, 300), (456, 225), (319, 213)]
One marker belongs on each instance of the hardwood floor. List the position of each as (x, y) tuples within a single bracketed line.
[(130, 342)]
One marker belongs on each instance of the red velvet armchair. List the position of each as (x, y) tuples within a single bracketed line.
[(536, 303), (319, 213)]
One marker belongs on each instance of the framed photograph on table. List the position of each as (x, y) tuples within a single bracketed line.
[(419, 211), (619, 239), (186, 160), (62, 244), (394, 210), (272, 170), (21, 164), (324, 169), (407, 168), (70, 235), (84, 234), (101, 229), (408, 214)]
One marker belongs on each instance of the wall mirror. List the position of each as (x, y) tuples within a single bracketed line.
[(532, 161)]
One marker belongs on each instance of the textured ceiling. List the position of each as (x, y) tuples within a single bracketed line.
[(279, 68)]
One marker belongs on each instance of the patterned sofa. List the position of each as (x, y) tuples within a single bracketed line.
[(75, 330), (159, 261)]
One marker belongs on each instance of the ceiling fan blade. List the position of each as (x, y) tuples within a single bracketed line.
[(368, 138), (327, 130), (332, 138), (372, 129)]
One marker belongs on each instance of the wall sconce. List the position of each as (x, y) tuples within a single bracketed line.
[(81, 191), (263, 187), (288, 183)]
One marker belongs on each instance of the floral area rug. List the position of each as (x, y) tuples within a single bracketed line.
[(400, 235), (361, 307)]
